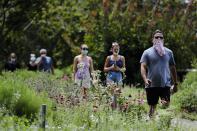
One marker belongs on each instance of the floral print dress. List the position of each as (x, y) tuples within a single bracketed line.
[(82, 76)]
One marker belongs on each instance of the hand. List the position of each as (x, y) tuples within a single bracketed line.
[(147, 82), (174, 88), (94, 82), (112, 67), (116, 68), (122, 69)]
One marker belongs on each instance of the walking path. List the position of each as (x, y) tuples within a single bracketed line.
[(184, 124)]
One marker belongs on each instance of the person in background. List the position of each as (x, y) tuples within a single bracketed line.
[(157, 66), (115, 66), (32, 63), (44, 63), (82, 69), (12, 63)]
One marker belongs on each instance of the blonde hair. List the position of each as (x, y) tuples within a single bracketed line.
[(114, 44), (84, 45)]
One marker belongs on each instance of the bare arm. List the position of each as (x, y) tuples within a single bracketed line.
[(143, 73), (52, 70), (91, 65), (74, 67), (106, 68), (38, 62), (174, 77), (124, 65), (174, 74)]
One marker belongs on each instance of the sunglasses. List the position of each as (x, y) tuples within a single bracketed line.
[(157, 37), (84, 48)]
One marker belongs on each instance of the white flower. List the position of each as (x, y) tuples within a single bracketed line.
[(80, 65)]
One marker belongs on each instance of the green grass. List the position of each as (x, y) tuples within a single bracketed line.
[(24, 92)]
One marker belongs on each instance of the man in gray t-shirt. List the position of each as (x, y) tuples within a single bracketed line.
[(157, 65)]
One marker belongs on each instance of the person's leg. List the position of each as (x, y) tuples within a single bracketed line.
[(85, 93), (152, 99), (86, 84), (152, 109), (119, 78), (165, 96)]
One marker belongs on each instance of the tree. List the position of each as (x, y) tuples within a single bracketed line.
[(62, 26)]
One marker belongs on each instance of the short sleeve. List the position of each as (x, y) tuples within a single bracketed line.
[(172, 61), (144, 58)]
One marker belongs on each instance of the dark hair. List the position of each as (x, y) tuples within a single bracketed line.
[(156, 31)]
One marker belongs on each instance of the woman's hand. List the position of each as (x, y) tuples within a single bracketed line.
[(123, 69), (116, 68)]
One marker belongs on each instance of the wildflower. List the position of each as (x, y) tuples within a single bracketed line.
[(95, 108)]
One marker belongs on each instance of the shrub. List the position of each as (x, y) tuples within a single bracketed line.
[(17, 97), (186, 98)]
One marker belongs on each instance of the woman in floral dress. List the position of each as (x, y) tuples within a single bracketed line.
[(82, 69)]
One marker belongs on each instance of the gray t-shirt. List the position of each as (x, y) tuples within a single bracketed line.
[(158, 66)]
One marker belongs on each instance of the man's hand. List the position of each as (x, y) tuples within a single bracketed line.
[(174, 88), (147, 82)]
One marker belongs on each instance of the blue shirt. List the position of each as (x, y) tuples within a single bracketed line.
[(45, 64), (158, 66)]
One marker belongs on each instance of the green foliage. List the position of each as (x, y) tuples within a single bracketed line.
[(62, 26), (25, 91), (186, 98), (17, 97), (16, 17), (164, 122), (14, 123)]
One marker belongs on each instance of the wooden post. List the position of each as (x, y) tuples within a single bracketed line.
[(43, 116)]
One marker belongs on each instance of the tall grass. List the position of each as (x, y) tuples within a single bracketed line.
[(22, 93), (17, 97)]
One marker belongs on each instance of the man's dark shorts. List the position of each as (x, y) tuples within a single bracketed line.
[(153, 94)]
